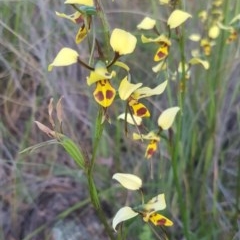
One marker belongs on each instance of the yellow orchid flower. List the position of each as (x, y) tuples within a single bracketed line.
[(148, 212), (100, 72), (104, 93), (165, 121), (232, 36), (151, 149), (206, 46), (164, 43), (153, 144), (132, 93), (232, 31), (79, 18), (122, 42)]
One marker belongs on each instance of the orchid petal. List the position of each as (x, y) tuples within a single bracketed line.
[(65, 57), (147, 23), (195, 37), (72, 17), (150, 136), (160, 39), (122, 215), (139, 109), (131, 119), (148, 92), (196, 60), (100, 73), (177, 17), (214, 32), (104, 93), (167, 117), (126, 88), (159, 220), (82, 2), (163, 2), (157, 203), (81, 34), (151, 149), (122, 42), (129, 181), (159, 67)]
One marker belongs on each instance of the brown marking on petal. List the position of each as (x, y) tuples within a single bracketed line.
[(109, 94), (79, 20), (150, 152), (102, 82), (141, 111), (99, 95), (232, 37), (161, 222), (161, 54)]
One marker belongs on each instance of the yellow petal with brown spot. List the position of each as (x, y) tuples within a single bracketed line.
[(139, 110), (104, 93), (159, 220)]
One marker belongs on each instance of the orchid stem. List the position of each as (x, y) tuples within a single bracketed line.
[(91, 184)]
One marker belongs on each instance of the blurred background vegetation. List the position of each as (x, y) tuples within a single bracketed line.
[(43, 195)]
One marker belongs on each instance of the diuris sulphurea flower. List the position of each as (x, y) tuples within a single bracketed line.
[(132, 93)]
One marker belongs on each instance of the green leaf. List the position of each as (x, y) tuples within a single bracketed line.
[(73, 151), (39, 145)]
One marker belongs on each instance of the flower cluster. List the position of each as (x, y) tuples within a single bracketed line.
[(109, 84), (177, 18), (122, 43), (148, 211), (212, 19), (165, 121)]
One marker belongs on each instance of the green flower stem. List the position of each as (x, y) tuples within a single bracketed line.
[(91, 184), (237, 206), (175, 152), (106, 27), (183, 61), (96, 203), (175, 148)]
